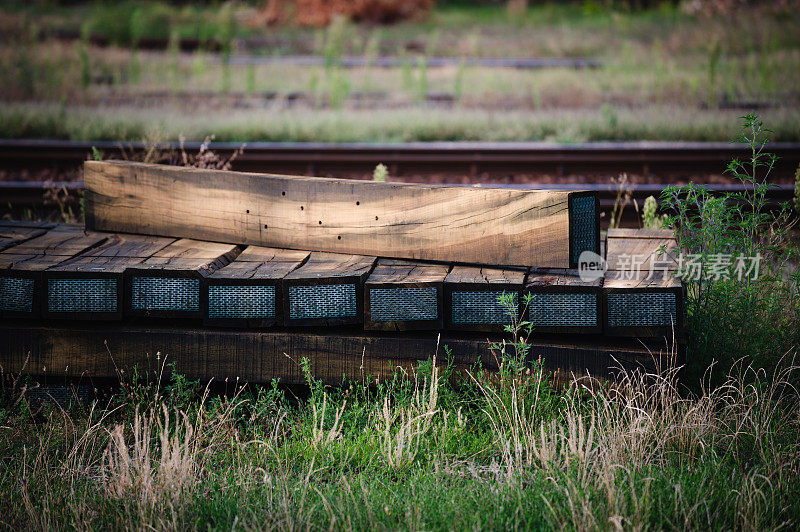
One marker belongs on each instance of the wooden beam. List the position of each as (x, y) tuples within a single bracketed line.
[(327, 290), (404, 295), (562, 302), (89, 286), (21, 266), (472, 298), (247, 292), (642, 295), (94, 351), (479, 225), (167, 285), (641, 248), (63, 240)]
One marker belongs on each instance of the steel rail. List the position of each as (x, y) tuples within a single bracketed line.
[(443, 158)]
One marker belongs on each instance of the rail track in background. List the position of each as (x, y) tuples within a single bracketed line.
[(468, 161)]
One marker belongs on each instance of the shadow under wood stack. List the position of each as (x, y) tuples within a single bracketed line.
[(247, 292), (168, 283), (473, 298), (642, 295), (404, 295), (327, 290), (21, 267)]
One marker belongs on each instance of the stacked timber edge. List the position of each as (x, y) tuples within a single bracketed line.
[(194, 279), (404, 295), (22, 266), (559, 301), (483, 299), (248, 291), (167, 285), (477, 225), (643, 296)]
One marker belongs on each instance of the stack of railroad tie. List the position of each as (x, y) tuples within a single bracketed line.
[(303, 251)]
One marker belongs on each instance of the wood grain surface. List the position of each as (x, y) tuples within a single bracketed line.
[(261, 263), (191, 255), (429, 222), (12, 236)]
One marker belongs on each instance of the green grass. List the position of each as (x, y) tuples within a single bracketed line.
[(660, 67), (133, 124), (417, 452)]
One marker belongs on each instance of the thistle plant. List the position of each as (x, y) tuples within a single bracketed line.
[(380, 173), (650, 217)]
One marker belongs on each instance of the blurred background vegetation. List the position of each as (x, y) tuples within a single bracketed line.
[(282, 70)]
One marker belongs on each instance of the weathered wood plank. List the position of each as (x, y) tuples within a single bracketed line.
[(63, 240), (327, 290), (404, 295), (642, 296), (168, 284), (95, 351), (424, 222), (11, 236), (247, 292), (21, 266), (472, 297), (656, 250)]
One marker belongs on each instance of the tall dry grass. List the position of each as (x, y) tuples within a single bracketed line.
[(505, 452)]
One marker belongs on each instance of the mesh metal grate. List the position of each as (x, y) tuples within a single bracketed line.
[(482, 307), (82, 295), (584, 236), (16, 294), (641, 309), (165, 293), (60, 394), (322, 301), (563, 310), (403, 304), (241, 301)]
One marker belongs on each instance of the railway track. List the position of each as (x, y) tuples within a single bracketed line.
[(467, 160)]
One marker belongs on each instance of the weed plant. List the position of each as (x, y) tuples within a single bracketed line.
[(735, 312), (435, 447)]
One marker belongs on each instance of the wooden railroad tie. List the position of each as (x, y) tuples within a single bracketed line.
[(327, 290), (642, 295), (167, 285), (473, 298), (404, 295), (248, 292), (99, 350), (477, 225), (562, 302)]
